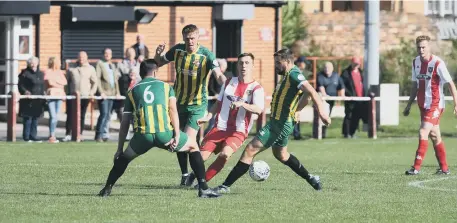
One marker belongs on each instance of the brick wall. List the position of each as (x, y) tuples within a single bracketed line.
[(342, 33), (50, 41), (166, 27), (262, 49)]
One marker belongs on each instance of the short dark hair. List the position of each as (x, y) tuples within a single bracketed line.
[(147, 66), (285, 54), (189, 29), (422, 38), (246, 55)]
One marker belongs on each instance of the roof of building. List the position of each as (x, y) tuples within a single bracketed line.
[(187, 2)]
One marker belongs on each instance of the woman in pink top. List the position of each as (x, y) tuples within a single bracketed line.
[(55, 82)]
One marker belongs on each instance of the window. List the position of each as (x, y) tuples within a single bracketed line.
[(440, 7), (23, 37)]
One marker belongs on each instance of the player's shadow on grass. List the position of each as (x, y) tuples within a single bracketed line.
[(136, 186), (95, 194)]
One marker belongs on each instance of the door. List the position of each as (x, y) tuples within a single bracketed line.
[(229, 41), (4, 60)]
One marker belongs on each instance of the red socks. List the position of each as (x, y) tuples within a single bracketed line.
[(440, 153), (420, 153), (215, 167)]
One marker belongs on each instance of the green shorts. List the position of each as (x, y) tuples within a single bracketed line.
[(275, 133), (188, 116), (141, 143)]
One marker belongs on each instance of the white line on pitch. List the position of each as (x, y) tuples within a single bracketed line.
[(421, 184)]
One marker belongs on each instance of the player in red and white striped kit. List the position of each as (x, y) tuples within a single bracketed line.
[(239, 102), (429, 75)]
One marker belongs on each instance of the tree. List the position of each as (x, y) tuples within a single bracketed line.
[(293, 23)]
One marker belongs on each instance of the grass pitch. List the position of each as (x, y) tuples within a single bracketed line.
[(363, 181)]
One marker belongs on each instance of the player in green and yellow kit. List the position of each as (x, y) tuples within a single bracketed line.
[(152, 104), (287, 98), (194, 64)]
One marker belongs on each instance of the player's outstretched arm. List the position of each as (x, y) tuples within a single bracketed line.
[(317, 100), (220, 77), (123, 131), (158, 57), (303, 102), (173, 113), (454, 94), (412, 97)]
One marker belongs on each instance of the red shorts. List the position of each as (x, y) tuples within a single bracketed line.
[(217, 139), (431, 115)]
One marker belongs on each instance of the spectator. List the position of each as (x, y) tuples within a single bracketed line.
[(329, 83), (55, 82), (140, 48), (31, 82), (354, 110), (301, 63), (82, 79), (129, 71), (107, 86), (214, 89)]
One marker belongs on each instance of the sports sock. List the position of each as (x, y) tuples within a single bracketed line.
[(198, 166), (182, 160), (297, 167), (440, 153), (239, 170), (420, 154), (120, 164), (215, 167)]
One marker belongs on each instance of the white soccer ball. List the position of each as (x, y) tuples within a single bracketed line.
[(259, 170)]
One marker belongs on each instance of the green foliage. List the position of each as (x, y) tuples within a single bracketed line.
[(395, 66), (293, 23)]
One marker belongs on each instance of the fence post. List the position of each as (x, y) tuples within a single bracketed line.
[(261, 120), (372, 117), (317, 125), (92, 104), (76, 119), (11, 132)]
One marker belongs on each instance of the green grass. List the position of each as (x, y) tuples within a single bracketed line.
[(363, 181)]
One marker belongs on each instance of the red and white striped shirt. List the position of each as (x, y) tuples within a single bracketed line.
[(238, 119), (430, 77)]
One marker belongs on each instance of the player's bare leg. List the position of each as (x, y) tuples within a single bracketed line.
[(291, 161), (251, 150), (120, 165), (219, 163), (215, 167), (440, 151), (424, 133), (183, 157), (198, 167)]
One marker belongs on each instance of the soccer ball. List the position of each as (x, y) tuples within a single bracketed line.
[(259, 170)]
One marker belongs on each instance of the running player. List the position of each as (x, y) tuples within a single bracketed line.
[(429, 74), (152, 104), (286, 100), (193, 63), (239, 101)]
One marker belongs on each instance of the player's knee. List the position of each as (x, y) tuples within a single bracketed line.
[(424, 133), (281, 155), (250, 151), (225, 154)]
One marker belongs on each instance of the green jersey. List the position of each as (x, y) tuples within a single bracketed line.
[(148, 101), (192, 69), (286, 95)]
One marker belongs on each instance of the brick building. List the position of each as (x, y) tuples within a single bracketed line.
[(62, 28)]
